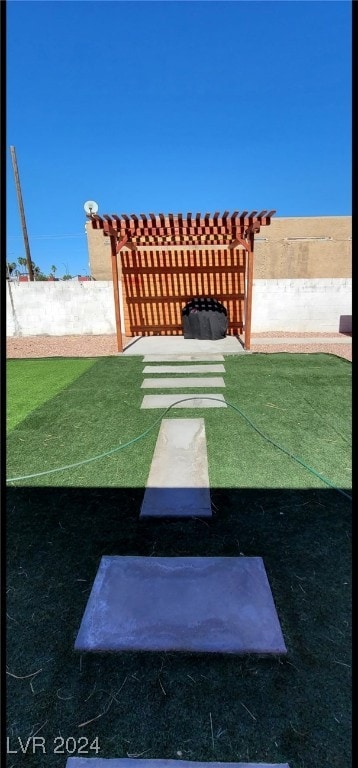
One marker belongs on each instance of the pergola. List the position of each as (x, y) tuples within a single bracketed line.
[(229, 230)]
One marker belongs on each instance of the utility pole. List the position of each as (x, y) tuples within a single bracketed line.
[(22, 213)]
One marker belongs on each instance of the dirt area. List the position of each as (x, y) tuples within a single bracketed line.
[(105, 345)]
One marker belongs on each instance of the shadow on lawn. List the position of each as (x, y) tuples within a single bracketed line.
[(165, 705)]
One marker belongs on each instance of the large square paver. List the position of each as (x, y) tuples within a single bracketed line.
[(177, 382), (198, 604), (184, 400), (178, 482), (215, 368), (125, 762), (182, 358)]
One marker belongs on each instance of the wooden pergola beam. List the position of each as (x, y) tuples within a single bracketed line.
[(160, 223), (239, 241), (180, 233)]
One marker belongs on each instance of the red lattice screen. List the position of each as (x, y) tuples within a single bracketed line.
[(156, 285)]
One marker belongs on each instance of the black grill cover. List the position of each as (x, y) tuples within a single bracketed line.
[(204, 318)]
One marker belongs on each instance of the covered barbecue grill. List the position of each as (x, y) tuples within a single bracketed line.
[(204, 318)]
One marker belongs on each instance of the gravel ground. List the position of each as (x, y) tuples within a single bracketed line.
[(103, 346), (341, 350)]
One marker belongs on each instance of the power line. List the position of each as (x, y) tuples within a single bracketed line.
[(50, 237)]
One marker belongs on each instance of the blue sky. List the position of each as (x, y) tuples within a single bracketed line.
[(173, 107)]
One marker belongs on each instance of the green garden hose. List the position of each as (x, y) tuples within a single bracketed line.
[(144, 434)]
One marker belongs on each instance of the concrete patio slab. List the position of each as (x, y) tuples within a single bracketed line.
[(176, 345), (184, 368), (178, 383), (191, 604), (183, 358), (126, 762), (215, 400), (178, 482)]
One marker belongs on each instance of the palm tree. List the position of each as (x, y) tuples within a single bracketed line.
[(22, 261), (11, 267), (53, 269)]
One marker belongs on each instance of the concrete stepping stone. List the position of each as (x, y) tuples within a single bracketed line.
[(186, 400), (174, 383), (178, 482), (192, 604), (183, 358), (184, 368), (126, 762)]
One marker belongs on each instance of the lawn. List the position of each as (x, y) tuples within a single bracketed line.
[(32, 382), (198, 707)]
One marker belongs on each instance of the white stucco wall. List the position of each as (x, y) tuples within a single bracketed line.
[(306, 305), (60, 308), (69, 308)]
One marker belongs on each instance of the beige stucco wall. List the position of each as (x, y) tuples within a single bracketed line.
[(276, 256), (282, 257), (99, 252)]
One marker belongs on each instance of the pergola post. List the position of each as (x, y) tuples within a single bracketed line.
[(115, 248), (249, 281)]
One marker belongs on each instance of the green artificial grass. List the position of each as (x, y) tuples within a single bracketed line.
[(30, 383), (293, 709), (301, 402)]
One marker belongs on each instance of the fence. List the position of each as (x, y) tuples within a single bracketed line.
[(69, 308)]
